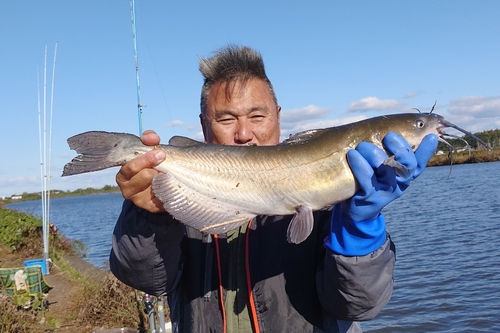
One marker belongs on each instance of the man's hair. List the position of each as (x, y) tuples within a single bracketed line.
[(230, 64)]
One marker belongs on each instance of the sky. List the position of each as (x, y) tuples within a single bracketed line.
[(331, 62)]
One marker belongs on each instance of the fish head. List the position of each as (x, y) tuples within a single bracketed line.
[(415, 126)]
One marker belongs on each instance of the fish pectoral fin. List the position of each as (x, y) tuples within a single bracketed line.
[(400, 169), (195, 209), (301, 225)]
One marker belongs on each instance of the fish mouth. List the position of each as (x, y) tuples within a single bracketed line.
[(443, 135)]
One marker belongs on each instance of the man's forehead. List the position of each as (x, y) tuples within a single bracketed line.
[(228, 88), (220, 112), (254, 89)]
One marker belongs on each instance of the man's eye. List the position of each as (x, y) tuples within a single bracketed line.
[(225, 120)]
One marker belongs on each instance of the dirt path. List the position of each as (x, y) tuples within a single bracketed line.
[(61, 297)]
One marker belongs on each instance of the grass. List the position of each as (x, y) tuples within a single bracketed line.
[(93, 301)]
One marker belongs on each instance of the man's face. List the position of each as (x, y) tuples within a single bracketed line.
[(248, 116)]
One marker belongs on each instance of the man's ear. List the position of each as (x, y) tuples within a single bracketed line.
[(203, 127)]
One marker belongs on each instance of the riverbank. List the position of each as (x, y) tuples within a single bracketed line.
[(466, 157), (83, 298)]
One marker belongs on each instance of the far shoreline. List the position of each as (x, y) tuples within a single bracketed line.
[(107, 189)]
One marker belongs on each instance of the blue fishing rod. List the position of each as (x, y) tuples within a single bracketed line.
[(149, 307), (134, 34)]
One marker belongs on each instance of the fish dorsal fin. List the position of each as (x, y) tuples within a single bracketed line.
[(182, 141), (201, 212), (301, 225), (303, 137)]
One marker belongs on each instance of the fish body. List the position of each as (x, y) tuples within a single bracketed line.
[(216, 188)]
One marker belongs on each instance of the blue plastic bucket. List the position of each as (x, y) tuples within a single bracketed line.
[(37, 262)]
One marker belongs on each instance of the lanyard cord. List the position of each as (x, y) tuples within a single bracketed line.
[(251, 302), (221, 289)]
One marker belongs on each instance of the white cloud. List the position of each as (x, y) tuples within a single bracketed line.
[(175, 123), (372, 103), (29, 180), (31, 184), (411, 94), (193, 127), (475, 113), (471, 123), (306, 113), (18, 185), (478, 106), (199, 136), (190, 127)]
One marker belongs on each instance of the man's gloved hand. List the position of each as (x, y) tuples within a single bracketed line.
[(357, 226), (380, 183)]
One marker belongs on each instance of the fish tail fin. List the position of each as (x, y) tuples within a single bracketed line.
[(100, 150)]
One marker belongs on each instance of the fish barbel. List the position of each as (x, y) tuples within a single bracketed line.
[(216, 188)]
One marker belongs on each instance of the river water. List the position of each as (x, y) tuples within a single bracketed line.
[(447, 235)]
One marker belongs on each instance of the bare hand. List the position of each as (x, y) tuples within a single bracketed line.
[(135, 177)]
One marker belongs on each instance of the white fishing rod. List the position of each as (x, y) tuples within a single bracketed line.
[(44, 157), (42, 194), (47, 224)]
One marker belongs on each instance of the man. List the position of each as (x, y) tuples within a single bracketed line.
[(251, 279)]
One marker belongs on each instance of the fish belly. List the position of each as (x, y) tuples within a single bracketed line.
[(223, 191)]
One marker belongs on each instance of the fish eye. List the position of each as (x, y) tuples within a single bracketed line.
[(419, 123)]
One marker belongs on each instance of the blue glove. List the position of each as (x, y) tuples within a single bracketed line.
[(357, 226)]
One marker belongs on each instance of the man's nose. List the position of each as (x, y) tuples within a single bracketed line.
[(244, 132)]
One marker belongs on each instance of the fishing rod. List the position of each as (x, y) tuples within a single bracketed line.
[(134, 34), (49, 156), (45, 156), (149, 307)]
